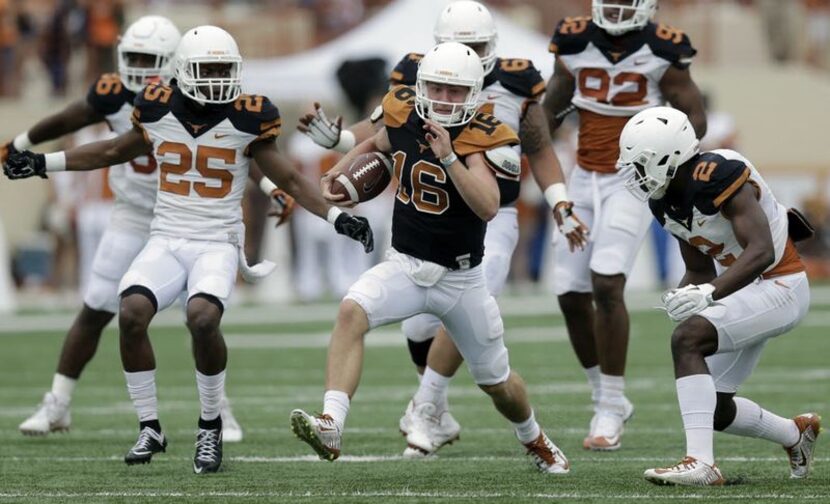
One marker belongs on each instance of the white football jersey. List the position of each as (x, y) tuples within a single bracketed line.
[(616, 77), (716, 177), (203, 158), (134, 182), (505, 94)]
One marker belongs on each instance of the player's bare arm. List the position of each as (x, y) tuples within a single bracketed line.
[(278, 169), (558, 96), (475, 181), (752, 231), (681, 91), (547, 171), (700, 268), (91, 156)]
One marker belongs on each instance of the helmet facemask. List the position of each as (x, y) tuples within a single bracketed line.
[(649, 177), (459, 114), (617, 17), (196, 82), (135, 74)]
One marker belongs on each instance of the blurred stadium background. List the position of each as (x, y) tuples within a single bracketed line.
[(763, 64)]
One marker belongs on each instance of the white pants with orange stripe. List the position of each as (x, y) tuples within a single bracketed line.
[(618, 223), (749, 318)]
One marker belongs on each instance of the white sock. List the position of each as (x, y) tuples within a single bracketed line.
[(62, 387), (336, 405), (697, 398), (751, 420), (592, 373), (611, 393), (142, 388), (527, 431), (433, 389), (211, 390)]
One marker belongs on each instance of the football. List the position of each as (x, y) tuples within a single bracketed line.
[(365, 178)]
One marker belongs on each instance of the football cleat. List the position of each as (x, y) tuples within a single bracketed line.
[(430, 429), (606, 435), (149, 442), (405, 423), (208, 456), (687, 472), (547, 457), (318, 431), (801, 453), (231, 430), (51, 416)]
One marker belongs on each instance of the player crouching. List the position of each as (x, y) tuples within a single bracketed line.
[(720, 209)]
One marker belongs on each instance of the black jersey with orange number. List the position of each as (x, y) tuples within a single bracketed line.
[(431, 220), (108, 95)]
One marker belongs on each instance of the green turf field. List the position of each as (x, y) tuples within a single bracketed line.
[(275, 367)]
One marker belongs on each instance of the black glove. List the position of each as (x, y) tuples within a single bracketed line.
[(6, 151), (25, 164), (356, 228)]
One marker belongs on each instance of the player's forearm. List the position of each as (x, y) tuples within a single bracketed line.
[(479, 196), (304, 192), (69, 120), (95, 155), (752, 262), (363, 130), (545, 167)]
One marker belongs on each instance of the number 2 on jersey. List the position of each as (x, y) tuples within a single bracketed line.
[(203, 155), (425, 197)]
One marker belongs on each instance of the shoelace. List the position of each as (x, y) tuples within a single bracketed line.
[(207, 443), (145, 437), (687, 463), (535, 450)]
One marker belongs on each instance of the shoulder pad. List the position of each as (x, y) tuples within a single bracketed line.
[(406, 71), (520, 77), (397, 106), (152, 103), (715, 179), (108, 94), (256, 115), (483, 133), (572, 35), (504, 161), (670, 44)]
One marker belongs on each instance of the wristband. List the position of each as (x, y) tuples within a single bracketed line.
[(555, 194), (267, 185), (334, 212), (448, 160), (55, 161), (346, 143), (22, 142)]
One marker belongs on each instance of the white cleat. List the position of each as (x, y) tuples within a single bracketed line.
[(606, 428), (231, 430), (405, 423), (51, 416), (687, 472), (319, 431), (547, 457), (429, 430), (801, 453)]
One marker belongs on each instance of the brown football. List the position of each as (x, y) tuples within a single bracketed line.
[(365, 178)]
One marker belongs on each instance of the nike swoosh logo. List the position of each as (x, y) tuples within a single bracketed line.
[(197, 470), (142, 452), (220, 135), (700, 223), (492, 97)]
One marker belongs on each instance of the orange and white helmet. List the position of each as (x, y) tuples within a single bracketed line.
[(653, 144), (153, 35), (208, 45), (454, 64), (469, 22), (620, 16)]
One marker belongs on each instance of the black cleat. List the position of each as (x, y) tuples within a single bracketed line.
[(149, 442), (208, 456)]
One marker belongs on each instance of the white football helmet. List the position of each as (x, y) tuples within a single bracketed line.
[(454, 64), (652, 145), (620, 16), (468, 22), (153, 35), (207, 45)]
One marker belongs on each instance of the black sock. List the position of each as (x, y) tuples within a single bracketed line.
[(214, 424), (153, 424)]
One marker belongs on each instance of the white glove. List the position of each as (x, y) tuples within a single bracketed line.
[(321, 129), (684, 302)]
